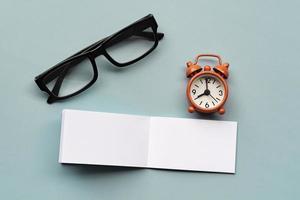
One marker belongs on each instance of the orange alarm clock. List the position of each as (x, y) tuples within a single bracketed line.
[(207, 89)]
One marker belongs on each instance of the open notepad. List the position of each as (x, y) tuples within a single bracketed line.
[(151, 142)]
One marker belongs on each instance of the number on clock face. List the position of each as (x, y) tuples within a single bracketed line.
[(207, 91)]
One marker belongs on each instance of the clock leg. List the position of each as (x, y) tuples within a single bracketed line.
[(222, 111), (191, 109)]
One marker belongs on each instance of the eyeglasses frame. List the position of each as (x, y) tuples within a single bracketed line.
[(95, 50)]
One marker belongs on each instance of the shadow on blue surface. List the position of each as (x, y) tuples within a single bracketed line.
[(97, 169)]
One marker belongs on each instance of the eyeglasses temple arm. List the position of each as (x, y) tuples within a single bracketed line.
[(148, 35), (145, 34)]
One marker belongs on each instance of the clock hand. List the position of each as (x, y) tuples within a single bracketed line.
[(206, 92), (200, 95), (206, 83), (213, 98)]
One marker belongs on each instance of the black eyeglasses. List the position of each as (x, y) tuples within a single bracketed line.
[(78, 72)]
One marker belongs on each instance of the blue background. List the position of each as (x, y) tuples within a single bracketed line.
[(260, 39)]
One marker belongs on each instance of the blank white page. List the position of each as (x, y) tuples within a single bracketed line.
[(155, 142), (192, 144), (104, 138)]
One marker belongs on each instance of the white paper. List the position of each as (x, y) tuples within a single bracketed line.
[(191, 144), (104, 138), (151, 142)]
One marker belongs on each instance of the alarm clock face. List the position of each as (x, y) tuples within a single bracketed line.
[(207, 92)]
